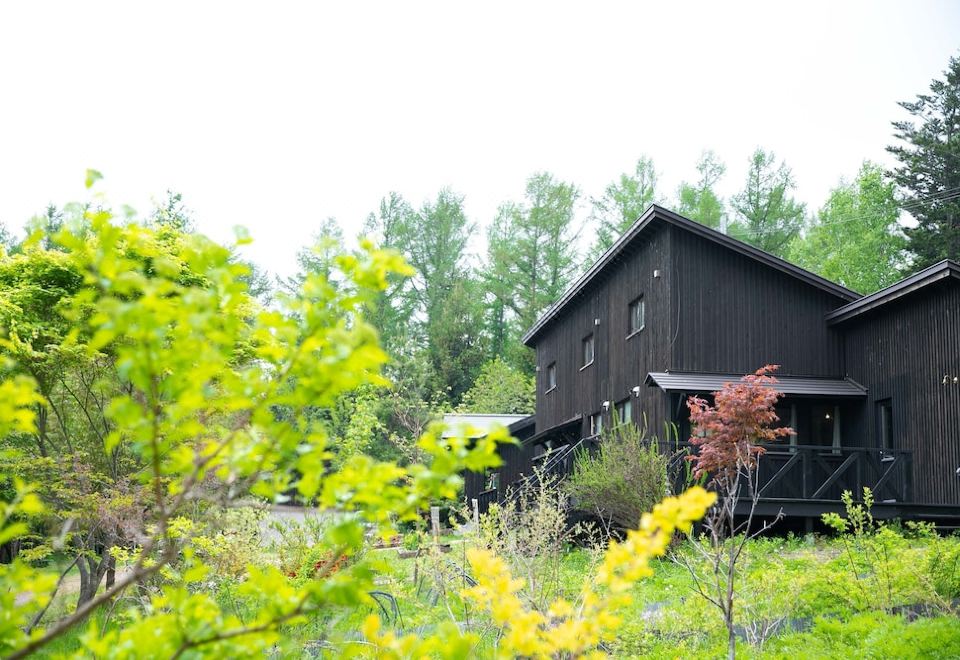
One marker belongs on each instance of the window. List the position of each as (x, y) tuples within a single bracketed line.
[(885, 423), (551, 376), (636, 313), (624, 411), (588, 350), (596, 424)]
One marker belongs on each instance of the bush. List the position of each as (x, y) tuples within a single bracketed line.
[(943, 567), (626, 476)]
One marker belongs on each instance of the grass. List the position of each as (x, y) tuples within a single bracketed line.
[(806, 582)]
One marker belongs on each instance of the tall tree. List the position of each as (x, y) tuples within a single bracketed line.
[(319, 258), (856, 239), (434, 239), (929, 170), (767, 216), (391, 308), (699, 201), (623, 201), (498, 278), (536, 256)]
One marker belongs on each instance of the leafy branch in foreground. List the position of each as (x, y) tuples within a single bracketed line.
[(215, 408)]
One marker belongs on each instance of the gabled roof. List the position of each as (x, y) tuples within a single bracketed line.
[(695, 382), (935, 273), (655, 214)]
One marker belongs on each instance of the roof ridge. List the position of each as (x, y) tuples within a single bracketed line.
[(654, 212)]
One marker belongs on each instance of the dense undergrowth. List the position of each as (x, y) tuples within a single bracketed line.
[(799, 595)]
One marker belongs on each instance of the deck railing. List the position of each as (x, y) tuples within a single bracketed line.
[(807, 472), (784, 472)]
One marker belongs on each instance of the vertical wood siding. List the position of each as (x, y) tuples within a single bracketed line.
[(902, 352), (619, 363), (736, 314)]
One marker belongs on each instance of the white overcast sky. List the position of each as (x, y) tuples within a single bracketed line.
[(276, 115)]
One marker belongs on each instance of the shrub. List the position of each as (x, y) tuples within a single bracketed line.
[(626, 476), (530, 532), (943, 567)]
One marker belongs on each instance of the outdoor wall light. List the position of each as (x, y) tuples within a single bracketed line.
[(636, 391), (606, 405)]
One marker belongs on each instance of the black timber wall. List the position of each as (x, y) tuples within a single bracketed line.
[(736, 314), (901, 352), (619, 363)]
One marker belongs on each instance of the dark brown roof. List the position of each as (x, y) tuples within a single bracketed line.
[(906, 286), (656, 213), (707, 382)]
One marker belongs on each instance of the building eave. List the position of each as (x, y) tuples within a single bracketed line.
[(936, 273)]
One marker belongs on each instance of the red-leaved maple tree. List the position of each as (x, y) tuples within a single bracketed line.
[(728, 432), (728, 435)]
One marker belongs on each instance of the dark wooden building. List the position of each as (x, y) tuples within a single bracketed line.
[(674, 308)]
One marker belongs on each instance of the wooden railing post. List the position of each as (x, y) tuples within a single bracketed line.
[(805, 464)]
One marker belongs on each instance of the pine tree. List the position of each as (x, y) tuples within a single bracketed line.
[(929, 170), (623, 201), (698, 201), (767, 216)]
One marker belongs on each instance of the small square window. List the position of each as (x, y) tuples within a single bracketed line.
[(624, 411), (588, 349), (596, 424), (637, 311), (551, 376)]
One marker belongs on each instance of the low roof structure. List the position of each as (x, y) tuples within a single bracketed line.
[(793, 385), (479, 424), (935, 273)]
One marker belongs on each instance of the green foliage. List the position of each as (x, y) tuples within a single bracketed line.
[(855, 239), (699, 201), (622, 203), (928, 176), (625, 476), (877, 558), (500, 389), (205, 376), (943, 567), (172, 213), (766, 215)]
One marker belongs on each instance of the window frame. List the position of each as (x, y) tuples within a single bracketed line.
[(551, 377), (624, 405), (884, 408), (591, 341), (595, 422), (637, 303)]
